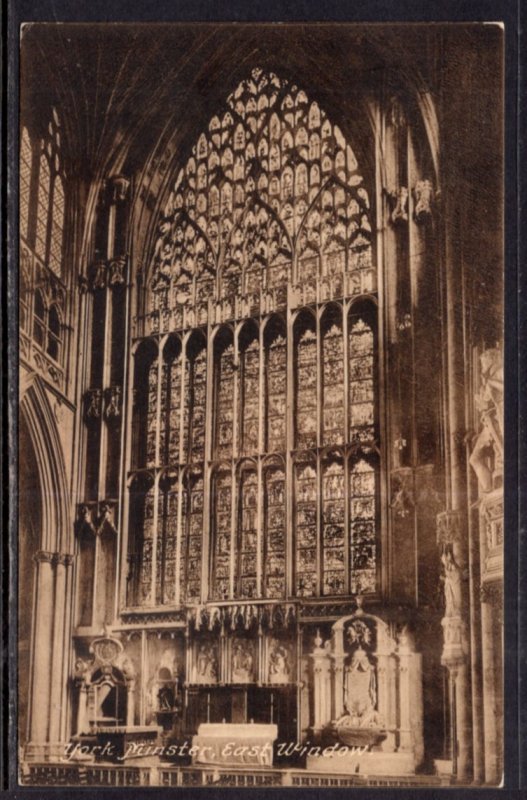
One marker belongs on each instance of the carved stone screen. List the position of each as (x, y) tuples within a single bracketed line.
[(266, 237)]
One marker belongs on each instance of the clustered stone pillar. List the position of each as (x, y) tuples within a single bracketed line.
[(49, 654)]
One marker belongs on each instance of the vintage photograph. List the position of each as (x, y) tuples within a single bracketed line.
[(260, 483)]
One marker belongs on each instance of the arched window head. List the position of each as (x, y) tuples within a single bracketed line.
[(42, 198), (26, 159)]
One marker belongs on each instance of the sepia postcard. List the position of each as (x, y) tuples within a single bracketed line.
[(260, 429)]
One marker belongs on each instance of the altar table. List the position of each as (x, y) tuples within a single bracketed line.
[(234, 744)]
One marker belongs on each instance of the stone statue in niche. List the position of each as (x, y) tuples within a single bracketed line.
[(360, 691), (452, 584), (207, 664), (361, 723), (242, 663), (487, 454), (279, 663)]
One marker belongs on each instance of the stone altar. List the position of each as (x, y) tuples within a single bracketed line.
[(227, 744)]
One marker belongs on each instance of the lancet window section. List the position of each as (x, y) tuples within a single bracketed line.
[(248, 539), (306, 377), (167, 539), (275, 386), (250, 390), (363, 516), (362, 399), (333, 377), (333, 529), (306, 515), (142, 510), (275, 533), (222, 525), (195, 400), (170, 418), (224, 373), (192, 548)]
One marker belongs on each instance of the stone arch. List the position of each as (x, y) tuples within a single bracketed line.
[(52, 581), (42, 426)]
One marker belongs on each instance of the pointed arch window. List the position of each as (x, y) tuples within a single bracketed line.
[(26, 162), (263, 269), (42, 195)]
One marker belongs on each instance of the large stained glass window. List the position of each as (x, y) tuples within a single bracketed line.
[(262, 288)]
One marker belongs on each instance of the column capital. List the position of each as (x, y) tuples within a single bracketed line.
[(43, 556), (65, 559)]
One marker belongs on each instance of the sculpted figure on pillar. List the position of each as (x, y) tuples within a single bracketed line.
[(452, 584), (487, 454)]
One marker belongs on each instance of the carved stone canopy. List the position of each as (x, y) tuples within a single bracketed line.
[(448, 527)]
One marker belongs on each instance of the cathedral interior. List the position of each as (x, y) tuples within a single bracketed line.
[(261, 404)]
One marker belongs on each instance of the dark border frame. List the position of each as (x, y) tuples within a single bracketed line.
[(386, 11)]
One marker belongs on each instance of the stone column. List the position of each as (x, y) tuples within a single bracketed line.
[(383, 697), (82, 710), (338, 685), (321, 687), (130, 704), (60, 650), (489, 687), (454, 658), (405, 689), (42, 648)]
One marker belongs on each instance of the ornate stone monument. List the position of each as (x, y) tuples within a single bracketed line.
[(367, 698)]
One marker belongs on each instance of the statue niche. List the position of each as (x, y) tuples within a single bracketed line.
[(368, 694), (105, 686)]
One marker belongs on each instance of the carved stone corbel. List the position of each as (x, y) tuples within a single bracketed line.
[(448, 527), (99, 274), (423, 194), (112, 396), (93, 404), (399, 204), (118, 186), (117, 270)]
